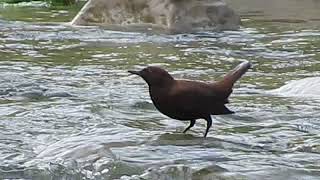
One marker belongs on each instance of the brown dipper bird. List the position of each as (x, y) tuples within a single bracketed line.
[(190, 100)]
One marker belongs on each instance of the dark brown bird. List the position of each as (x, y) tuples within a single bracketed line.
[(190, 100)]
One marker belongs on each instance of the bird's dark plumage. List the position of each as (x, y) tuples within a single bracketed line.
[(190, 100)]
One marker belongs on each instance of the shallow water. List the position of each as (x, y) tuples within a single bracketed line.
[(70, 110)]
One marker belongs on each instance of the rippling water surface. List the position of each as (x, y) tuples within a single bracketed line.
[(70, 110)]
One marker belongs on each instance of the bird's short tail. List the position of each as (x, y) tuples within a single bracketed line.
[(230, 78)]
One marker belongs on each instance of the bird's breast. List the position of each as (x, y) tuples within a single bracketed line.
[(168, 105)]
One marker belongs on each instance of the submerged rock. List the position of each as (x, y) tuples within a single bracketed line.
[(307, 87), (57, 94), (168, 172), (177, 16)]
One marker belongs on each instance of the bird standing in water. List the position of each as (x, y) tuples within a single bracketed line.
[(190, 100)]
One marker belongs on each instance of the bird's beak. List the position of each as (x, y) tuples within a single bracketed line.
[(135, 72)]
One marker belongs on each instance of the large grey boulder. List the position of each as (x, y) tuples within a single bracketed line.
[(174, 15)]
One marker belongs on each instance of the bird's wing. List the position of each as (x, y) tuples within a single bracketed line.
[(198, 97)]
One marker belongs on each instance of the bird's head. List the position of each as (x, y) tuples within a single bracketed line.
[(154, 76)]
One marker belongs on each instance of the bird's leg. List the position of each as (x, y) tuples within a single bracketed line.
[(192, 122), (209, 123)]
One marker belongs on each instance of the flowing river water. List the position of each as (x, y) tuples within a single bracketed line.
[(70, 110)]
